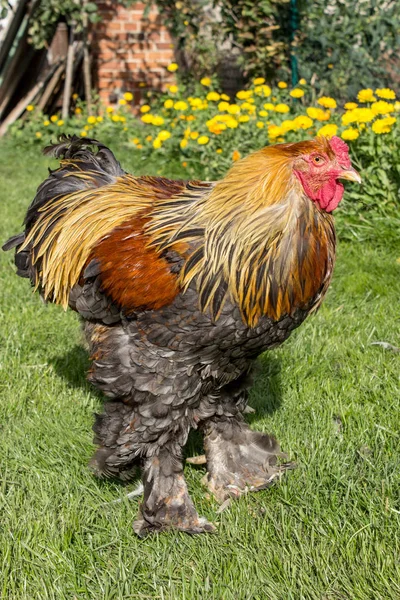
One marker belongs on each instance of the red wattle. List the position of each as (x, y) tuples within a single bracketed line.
[(328, 196)]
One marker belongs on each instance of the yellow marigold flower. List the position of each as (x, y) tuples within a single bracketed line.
[(54, 119), (38, 134), (157, 143), (83, 133), (236, 155), (269, 106), (251, 109), (213, 96), (274, 131), (91, 119), (397, 106), (302, 81), (327, 102), (99, 119), (244, 118), (180, 105), (232, 123), (233, 109), (297, 93), (260, 124), (203, 139), (75, 96), (122, 119), (206, 81), (87, 128), (258, 81), (184, 164), (46, 123), (383, 125), (135, 141), (168, 103), (139, 146), (78, 111), (173, 89), (110, 109), (318, 114), (225, 97), (172, 67), (164, 135), (122, 102), (157, 121), (303, 122), (350, 134), (266, 91), (190, 118), (289, 126), (328, 130), (282, 108), (149, 138), (194, 135), (148, 118), (350, 105), (366, 95), (382, 108), (223, 106), (128, 96), (358, 115), (60, 123), (219, 151), (216, 128), (282, 85), (263, 113), (195, 102), (145, 108), (244, 94), (183, 143), (125, 129), (30, 108), (385, 93)]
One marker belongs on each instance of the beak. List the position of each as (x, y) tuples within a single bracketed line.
[(351, 175)]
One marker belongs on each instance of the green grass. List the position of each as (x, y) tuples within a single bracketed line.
[(329, 530)]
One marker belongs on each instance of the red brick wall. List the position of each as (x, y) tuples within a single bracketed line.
[(130, 53)]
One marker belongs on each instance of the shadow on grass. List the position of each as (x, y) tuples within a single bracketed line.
[(73, 367)]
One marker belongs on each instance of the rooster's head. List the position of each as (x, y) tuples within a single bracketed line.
[(319, 165)]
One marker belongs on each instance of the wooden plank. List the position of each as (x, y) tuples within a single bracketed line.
[(20, 107), (51, 86), (13, 25), (68, 74)]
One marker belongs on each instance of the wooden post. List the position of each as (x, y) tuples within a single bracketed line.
[(86, 63), (68, 74)]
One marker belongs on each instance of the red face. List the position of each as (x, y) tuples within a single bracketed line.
[(319, 174)]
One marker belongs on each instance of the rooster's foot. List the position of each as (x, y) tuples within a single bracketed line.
[(240, 460), (167, 504)]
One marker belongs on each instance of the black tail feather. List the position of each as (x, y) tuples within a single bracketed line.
[(15, 240)]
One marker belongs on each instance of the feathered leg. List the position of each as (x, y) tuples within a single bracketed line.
[(167, 503), (238, 458)]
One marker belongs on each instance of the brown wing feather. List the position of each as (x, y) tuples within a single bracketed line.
[(133, 274)]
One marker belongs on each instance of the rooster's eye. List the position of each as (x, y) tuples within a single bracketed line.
[(318, 160)]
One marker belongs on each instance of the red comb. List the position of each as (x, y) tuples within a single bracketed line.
[(341, 150)]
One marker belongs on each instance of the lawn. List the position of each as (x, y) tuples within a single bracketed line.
[(329, 530)]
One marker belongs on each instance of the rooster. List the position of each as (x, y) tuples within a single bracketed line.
[(181, 285)]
